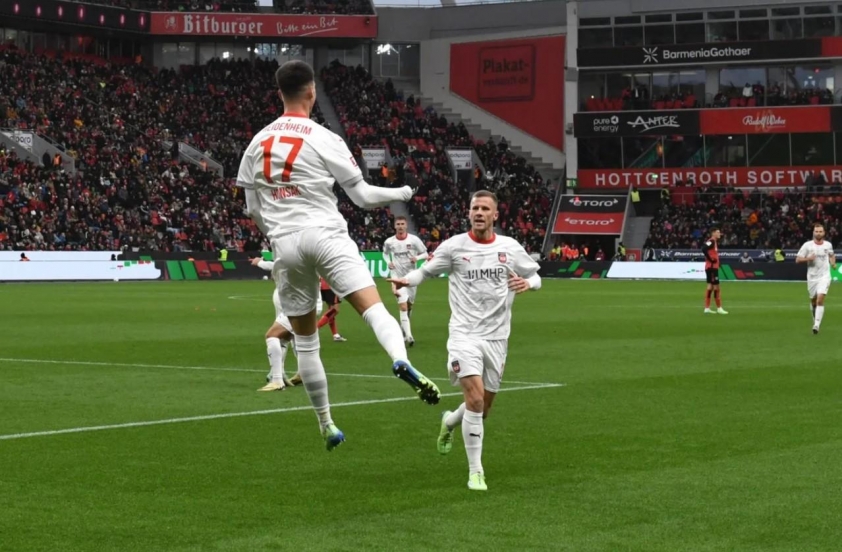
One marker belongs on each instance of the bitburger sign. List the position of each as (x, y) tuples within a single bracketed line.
[(692, 54)]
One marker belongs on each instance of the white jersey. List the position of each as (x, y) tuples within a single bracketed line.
[(819, 268), (403, 253), (478, 282), (292, 165)]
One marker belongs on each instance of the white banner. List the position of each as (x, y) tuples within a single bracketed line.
[(23, 138), (59, 255), (461, 159), (374, 158), (657, 271), (78, 270)]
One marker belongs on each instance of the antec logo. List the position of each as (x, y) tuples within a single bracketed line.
[(650, 55), (645, 124)]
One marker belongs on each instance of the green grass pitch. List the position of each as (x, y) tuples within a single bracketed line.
[(673, 430)]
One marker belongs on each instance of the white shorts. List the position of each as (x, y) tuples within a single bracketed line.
[(303, 255), (818, 287), (477, 357), (406, 295)]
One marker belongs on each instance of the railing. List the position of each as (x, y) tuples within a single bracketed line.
[(438, 3)]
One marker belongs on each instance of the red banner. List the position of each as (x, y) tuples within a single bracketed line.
[(520, 81), (263, 25), (589, 223), (765, 120), (746, 177)]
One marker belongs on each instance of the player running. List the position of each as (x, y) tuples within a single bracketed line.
[(403, 251), (711, 251), (278, 338), (288, 172), (485, 271), (819, 256)]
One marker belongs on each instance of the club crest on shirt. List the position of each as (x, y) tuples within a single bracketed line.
[(455, 366), (502, 257)]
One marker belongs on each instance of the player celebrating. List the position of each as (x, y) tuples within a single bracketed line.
[(288, 172), (485, 271), (819, 256), (403, 251), (278, 338), (711, 251)]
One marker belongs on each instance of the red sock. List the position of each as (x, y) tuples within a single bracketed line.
[(707, 299), (333, 325), (718, 299), (327, 318)]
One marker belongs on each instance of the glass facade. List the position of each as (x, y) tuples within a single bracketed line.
[(789, 22), (734, 150), (767, 86), (75, 44)]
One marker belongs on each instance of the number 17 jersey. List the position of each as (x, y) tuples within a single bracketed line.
[(292, 165)]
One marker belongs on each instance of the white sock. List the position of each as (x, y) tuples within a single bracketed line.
[(313, 376), (819, 315), (407, 329), (455, 417), (276, 349), (387, 330), (472, 435)]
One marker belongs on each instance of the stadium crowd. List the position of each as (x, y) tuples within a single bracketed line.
[(374, 113), (296, 7), (749, 219), (120, 123), (181, 5)]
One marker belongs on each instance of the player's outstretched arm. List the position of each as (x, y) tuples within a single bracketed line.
[(367, 196), (438, 263), (265, 265)]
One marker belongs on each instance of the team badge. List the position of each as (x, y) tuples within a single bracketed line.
[(502, 257), (455, 366)]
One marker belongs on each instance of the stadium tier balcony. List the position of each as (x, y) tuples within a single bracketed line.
[(292, 7), (374, 113), (181, 5), (745, 97), (748, 219)]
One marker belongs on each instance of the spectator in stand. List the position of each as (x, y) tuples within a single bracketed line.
[(338, 7), (749, 219), (182, 5), (24, 258)]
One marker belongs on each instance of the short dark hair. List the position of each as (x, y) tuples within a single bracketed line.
[(400, 217), (293, 77), (817, 224), (485, 193), (714, 229)]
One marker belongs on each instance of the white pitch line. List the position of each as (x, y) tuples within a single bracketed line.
[(88, 429), (211, 369)]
